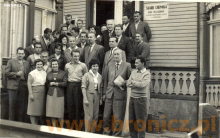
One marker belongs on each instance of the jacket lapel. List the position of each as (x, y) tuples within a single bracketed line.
[(121, 41), (120, 69), (139, 25), (17, 64)]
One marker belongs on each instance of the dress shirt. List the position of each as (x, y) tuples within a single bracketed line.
[(57, 56), (36, 56), (136, 24), (119, 38), (125, 26), (46, 66), (47, 41), (83, 44), (110, 32), (95, 79), (64, 48), (112, 51), (118, 64), (75, 71), (91, 47)]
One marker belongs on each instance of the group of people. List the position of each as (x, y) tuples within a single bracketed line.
[(77, 70)]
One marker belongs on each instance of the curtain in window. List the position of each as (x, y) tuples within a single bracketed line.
[(216, 51), (38, 23)]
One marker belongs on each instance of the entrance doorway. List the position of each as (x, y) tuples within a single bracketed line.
[(104, 11)]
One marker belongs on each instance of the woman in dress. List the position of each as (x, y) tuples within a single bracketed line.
[(36, 88), (56, 81), (92, 91)]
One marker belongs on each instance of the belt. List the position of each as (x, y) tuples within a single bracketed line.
[(74, 82)]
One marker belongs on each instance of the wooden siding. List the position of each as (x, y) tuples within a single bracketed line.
[(174, 40), (76, 9)]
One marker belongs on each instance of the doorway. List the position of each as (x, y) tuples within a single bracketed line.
[(104, 10)]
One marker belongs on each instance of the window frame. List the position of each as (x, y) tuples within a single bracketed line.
[(211, 23)]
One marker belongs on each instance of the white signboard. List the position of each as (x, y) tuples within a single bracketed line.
[(156, 11)]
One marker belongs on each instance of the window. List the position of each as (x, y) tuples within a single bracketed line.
[(215, 42)]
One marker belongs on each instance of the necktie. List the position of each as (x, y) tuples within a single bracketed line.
[(110, 33), (110, 52), (89, 50), (117, 66), (117, 39)]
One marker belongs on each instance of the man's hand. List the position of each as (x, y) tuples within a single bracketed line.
[(52, 83), (31, 97), (103, 98), (86, 102), (19, 73)]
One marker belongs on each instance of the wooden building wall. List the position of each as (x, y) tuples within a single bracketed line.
[(76, 8), (174, 40)]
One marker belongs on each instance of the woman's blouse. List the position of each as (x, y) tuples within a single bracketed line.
[(39, 77)]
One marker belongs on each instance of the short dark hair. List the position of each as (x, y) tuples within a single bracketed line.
[(20, 48), (68, 15), (113, 37), (75, 51), (127, 15), (62, 27), (37, 43), (38, 60), (83, 32), (92, 33), (47, 30), (61, 37), (80, 20), (141, 34), (137, 12), (53, 60), (55, 32), (142, 59), (76, 29), (58, 45), (91, 26), (93, 62), (119, 25), (33, 39)]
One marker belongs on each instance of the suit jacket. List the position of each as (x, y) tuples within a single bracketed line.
[(67, 54), (80, 45), (126, 32), (11, 70), (96, 53), (143, 28), (44, 46), (61, 61), (108, 59), (105, 40), (111, 74), (28, 51), (88, 83), (125, 44)]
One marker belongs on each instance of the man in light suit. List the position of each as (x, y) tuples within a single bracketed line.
[(46, 39), (107, 34), (139, 26), (109, 56), (17, 72), (124, 42), (115, 94), (68, 23), (126, 25), (93, 51)]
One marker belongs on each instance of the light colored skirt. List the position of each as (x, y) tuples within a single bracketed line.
[(55, 106), (37, 107)]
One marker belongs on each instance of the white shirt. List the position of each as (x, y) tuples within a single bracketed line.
[(39, 77), (119, 38), (136, 24), (118, 64), (57, 56), (91, 47), (125, 26), (36, 56)]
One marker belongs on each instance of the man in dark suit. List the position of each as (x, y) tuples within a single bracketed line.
[(17, 72), (30, 49), (124, 42), (115, 94), (107, 34), (83, 40), (141, 49), (46, 39), (93, 51), (126, 24), (139, 26)]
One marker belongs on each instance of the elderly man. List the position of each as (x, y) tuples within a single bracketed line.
[(93, 51), (115, 94), (75, 70), (139, 26), (139, 82), (107, 34), (17, 71)]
